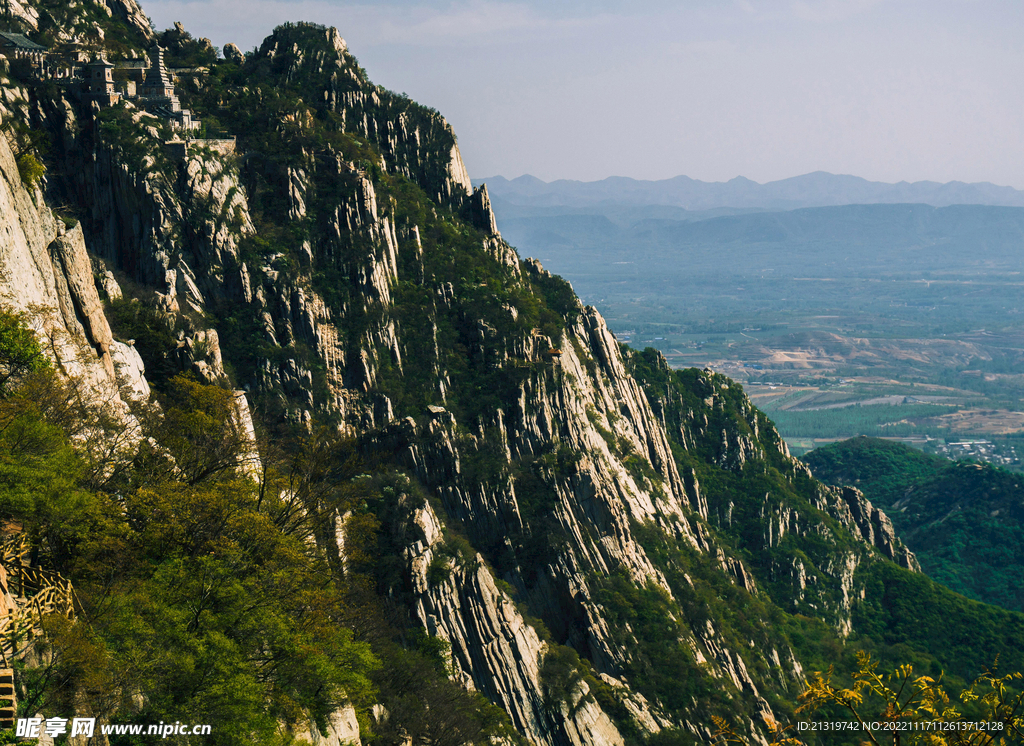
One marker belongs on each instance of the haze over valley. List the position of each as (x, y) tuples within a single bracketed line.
[(900, 317)]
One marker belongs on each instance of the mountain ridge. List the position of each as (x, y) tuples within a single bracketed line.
[(815, 189)]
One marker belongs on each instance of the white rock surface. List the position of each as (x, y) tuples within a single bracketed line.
[(495, 650), (342, 730), (45, 274), (130, 372)]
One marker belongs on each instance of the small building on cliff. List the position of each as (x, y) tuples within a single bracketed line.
[(99, 82), (152, 88), (157, 95), (18, 48)]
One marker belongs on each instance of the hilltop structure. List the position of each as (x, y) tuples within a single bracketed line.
[(19, 48), (99, 82), (157, 94), (149, 84)]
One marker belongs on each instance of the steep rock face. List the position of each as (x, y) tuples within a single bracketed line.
[(24, 13), (355, 242), (45, 273), (138, 221), (412, 140), (181, 228), (719, 424), (129, 12), (488, 635), (481, 214), (71, 20), (624, 475), (876, 529), (342, 730), (186, 230), (173, 226), (846, 505)]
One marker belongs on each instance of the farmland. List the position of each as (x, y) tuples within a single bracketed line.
[(900, 321)]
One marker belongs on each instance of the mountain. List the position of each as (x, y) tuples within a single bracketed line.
[(963, 520), (816, 189), (850, 240), (294, 445)]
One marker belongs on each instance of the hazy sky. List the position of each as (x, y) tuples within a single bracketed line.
[(884, 89)]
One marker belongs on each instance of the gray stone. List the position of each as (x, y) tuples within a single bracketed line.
[(233, 54)]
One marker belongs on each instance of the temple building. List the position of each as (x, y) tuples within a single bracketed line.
[(156, 94), (19, 48), (99, 82), (158, 83)]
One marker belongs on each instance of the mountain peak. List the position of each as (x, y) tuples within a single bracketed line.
[(815, 189)]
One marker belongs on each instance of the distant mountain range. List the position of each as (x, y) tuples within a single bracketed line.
[(818, 189)]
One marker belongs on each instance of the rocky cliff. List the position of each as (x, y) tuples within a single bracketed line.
[(81, 20), (47, 276), (608, 548)]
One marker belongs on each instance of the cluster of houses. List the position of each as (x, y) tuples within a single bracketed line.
[(149, 87), (148, 84)]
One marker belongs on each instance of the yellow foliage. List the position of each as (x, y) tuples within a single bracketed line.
[(900, 697), (30, 169)]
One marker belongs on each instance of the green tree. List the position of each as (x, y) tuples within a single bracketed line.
[(20, 352)]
